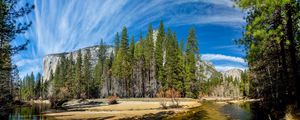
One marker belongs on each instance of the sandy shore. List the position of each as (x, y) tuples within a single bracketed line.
[(38, 101), (125, 109)]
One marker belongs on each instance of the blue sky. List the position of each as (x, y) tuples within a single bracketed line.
[(67, 25)]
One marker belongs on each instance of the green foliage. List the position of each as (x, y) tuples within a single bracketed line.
[(121, 63), (98, 76), (32, 87), (78, 75), (192, 51), (70, 75), (117, 43), (159, 53), (10, 11), (149, 48), (87, 74), (271, 41)]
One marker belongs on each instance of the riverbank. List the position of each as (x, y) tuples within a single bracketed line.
[(225, 100), (126, 108)]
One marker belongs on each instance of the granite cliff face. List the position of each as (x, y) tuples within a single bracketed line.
[(50, 61), (235, 73)]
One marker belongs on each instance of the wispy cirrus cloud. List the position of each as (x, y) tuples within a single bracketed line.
[(66, 25)]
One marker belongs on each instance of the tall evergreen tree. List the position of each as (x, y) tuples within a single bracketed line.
[(31, 85), (70, 75), (191, 54), (117, 43), (150, 63), (270, 41), (181, 74), (99, 70), (87, 73), (38, 86), (121, 63), (57, 80), (139, 68), (10, 11), (131, 65), (159, 53), (108, 74), (78, 75)]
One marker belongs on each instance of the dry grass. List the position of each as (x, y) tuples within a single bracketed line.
[(125, 108), (205, 112)]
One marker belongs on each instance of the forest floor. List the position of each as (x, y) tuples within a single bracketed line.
[(126, 108)]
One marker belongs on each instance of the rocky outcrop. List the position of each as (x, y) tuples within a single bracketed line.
[(234, 73), (206, 68)]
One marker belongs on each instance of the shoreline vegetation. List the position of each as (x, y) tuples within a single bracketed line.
[(136, 108)]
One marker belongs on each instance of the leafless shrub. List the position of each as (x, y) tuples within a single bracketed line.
[(174, 95), (112, 100), (163, 102), (170, 93)]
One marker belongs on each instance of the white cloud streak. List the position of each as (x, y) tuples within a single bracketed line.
[(211, 57), (228, 67)]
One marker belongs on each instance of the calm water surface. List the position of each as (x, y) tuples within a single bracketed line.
[(244, 111), (33, 112)]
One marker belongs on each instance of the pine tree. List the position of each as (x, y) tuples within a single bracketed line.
[(181, 75), (87, 73), (151, 87), (191, 53), (108, 74), (270, 41), (121, 63), (99, 70), (57, 80), (78, 75), (173, 68), (38, 86), (131, 65), (11, 11), (117, 43), (70, 76), (159, 48), (31, 85), (169, 65), (139, 68)]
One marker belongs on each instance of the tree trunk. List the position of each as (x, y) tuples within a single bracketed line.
[(292, 49)]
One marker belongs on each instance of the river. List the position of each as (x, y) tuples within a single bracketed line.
[(207, 111), (30, 112)]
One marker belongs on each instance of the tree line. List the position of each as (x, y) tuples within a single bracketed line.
[(138, 69), (271, 41), (219, 85), (31, 87)]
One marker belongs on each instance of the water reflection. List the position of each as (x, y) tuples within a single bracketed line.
[(32, 112), (244, 111)]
